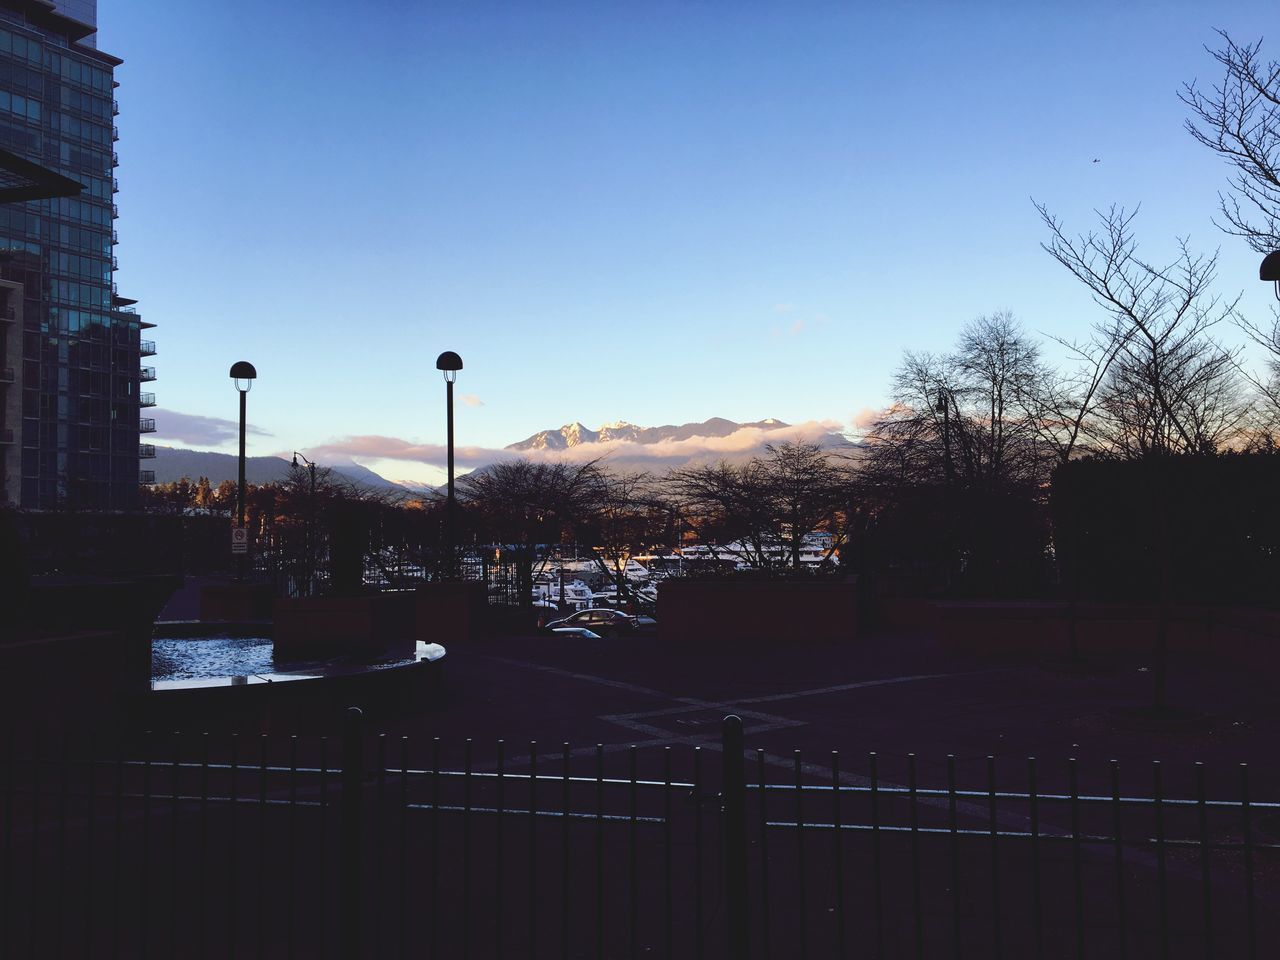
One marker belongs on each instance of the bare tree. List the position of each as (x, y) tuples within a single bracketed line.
[(1239, 119), (1170, 387), (525, 505), (970, 418)]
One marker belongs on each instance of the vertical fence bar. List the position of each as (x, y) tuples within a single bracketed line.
[(837, 841), (666, 843), (1205, 888), (565, 809), (466, 848), (634, 879), (434, 866), (765, 947), (600, 851), (1077, 874), (698, 942), (90, 842), (917, 904), (291, 897), (1163, 892), (232, 843), (117, 848), (735, 837), (144, 882), (172, 892), (377, 910), (60, 890), (349, 862), (877, 879), (801, 887), (1246, 836), (953, 825), (8, 880), (1037, 901), (202, 883), (499, 931), (402, 905), (1117, 836), (263, 773), (533, 847), (324, 847)]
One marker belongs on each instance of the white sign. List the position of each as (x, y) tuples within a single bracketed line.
[(239, 540)]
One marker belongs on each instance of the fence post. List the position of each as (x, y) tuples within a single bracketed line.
[(349, 844), (735, 837)]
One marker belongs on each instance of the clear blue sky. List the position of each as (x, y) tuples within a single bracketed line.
[(658, 212)]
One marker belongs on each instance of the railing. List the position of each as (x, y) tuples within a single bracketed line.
[(147, 348), (146, 476), (115, 132), (115, 185), (115, 107), (146, 451), (146, 425), (147, 374), (146, 399), (115, 212), (395, 846), (115, 159), (115, 262)]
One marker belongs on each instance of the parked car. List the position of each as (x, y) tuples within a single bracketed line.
[(601, 620), (582, 633)]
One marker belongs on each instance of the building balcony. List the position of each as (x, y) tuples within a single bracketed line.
[(115, 262), (115, 133), (6, 375), (8, 314), (115, 212), (147, 348), (147, 477), (115, 159), (146, 451), (115, 108), (146, 399), (115, 185), (146, 374), (6, 436), (115, 237), (147, 425)]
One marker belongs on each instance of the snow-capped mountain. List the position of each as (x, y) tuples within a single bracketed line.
[(576, 434)]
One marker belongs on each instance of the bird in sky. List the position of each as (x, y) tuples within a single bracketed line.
[(1096, 160)]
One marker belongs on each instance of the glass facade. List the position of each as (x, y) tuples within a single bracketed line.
[(81, 344)]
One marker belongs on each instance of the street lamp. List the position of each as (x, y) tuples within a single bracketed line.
[(1270, 271), (242, 374), (944, 408), (449, 363), (311, 522)]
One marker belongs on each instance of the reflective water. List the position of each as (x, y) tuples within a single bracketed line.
[(211, 658)]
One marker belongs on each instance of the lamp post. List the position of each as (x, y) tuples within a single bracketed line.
[(449, 363), (242, 375), (944, 408), (1270, 270), (311, 522)]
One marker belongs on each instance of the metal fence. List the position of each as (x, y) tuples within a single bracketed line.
[(388, 846)]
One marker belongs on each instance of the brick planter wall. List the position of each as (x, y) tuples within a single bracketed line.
[(720, 612)]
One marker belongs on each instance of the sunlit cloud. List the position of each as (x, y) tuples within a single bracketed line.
[(784, 308), (471, 400), (743, 442), (199, 431)]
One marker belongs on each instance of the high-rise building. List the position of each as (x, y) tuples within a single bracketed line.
[(71, 349)]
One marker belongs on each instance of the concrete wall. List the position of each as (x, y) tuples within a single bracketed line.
[(11, 393)]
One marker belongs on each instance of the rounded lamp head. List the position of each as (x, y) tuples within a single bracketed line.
[(450, 363), (243, 373), (1270, 270)]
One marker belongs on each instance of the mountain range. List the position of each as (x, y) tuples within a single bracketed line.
[(623, 445)]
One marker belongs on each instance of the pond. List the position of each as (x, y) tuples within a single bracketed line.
[(195, 660)]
